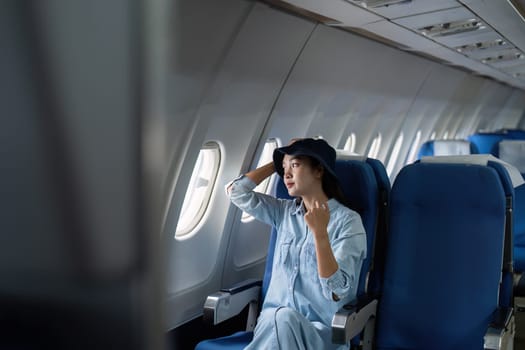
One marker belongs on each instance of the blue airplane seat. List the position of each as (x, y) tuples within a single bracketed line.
[(446, 148), (364, 183), (444, 259), (447, 280), (511, 180)]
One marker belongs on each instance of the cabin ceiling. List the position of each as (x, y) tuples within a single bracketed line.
[(486, 37)]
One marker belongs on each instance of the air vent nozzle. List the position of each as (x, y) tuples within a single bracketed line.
[(504, 58), (451, 28), (482, 45)]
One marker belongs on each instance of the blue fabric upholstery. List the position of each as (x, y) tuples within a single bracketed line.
[(365, 185), (519, 229), (426, 149), (444, 257)]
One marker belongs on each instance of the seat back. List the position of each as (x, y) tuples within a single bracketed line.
[(510, 179), (446, 148), (488, 142), (444, 257), (513, 152)]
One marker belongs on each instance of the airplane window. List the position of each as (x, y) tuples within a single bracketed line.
[(395, 154), (263, 187), (200, 189), (445, 135), (350, 143), (373, 151), (414, 148), (432, 136)]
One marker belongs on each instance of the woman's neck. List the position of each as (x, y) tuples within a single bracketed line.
[(309, 201)]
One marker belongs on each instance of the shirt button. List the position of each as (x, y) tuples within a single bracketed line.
[(295, 267)]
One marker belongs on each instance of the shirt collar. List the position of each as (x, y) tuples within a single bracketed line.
[(300, 209)]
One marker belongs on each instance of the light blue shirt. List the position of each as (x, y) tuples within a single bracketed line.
[(295, 281)]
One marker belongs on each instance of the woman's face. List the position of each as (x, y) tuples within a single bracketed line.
[(299, 176)]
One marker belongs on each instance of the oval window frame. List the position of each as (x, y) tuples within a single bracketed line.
[(211, 150)]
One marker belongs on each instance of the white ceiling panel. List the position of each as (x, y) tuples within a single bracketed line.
[(478, 23), (342, 11), (400, 34)]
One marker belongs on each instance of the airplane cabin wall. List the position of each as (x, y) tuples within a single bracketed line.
[(183, 66), (278, 75), (509, 117), (234, 113)]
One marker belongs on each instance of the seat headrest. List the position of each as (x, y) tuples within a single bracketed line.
[(451, 147), (513, 152), (479, 159), (347, 155)]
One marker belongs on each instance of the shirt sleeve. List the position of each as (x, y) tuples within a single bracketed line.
[(349, 248), (263, 207)]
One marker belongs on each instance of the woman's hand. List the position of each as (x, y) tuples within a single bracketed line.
[(317, 219), (294, 140)]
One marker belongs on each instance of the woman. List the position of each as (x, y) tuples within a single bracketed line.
[(320, 246)]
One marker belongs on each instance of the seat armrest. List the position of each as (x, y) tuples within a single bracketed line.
[(229, 302), (352, 318), (500, 333)]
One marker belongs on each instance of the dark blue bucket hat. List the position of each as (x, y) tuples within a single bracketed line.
[(315, 148)]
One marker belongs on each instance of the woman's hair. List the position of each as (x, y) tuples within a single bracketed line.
[(331, 186)]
